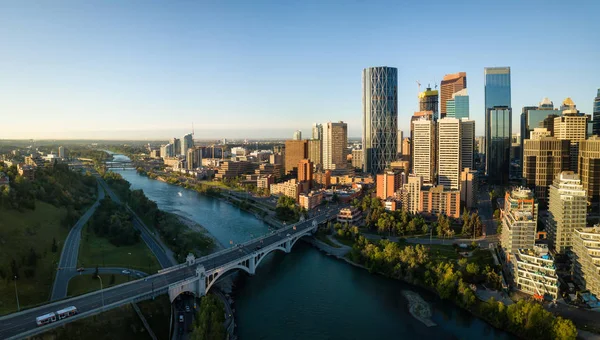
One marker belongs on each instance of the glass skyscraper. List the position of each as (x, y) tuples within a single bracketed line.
[(498, 123), (380, 117), (458, 106), (596, 115)]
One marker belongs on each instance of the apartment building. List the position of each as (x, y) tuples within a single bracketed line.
[(535, 272), (586, 258)]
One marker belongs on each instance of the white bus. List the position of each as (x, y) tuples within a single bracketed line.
[(45, 319), (66, 312)]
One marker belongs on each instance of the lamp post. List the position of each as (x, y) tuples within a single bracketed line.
[(17, 295), (101, 291)]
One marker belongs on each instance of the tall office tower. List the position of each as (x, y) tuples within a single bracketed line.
[(458, 106), (388, 183), (305, 170), (335, 142), (315, 151), (497, 87), (187, 143), (468, 188), (596, 117), (567, 210), (467, 144), (571, 126), (61, 152), (193, 158), (297, 135), (519, 221), (176, 146), (539, 133), (295, 151), (423, 145), (498, 134), (451, 83), (586, 262), (406, 149), (167, 151), (400, 138), (380, 117), (541, 116), (428, 101), (544, 158), (317, 131), (589, 170), (448, 151)]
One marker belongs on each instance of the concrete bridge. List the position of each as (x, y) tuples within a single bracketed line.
[(195, 275)]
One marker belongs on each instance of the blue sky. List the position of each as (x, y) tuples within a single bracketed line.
[(148, 69)]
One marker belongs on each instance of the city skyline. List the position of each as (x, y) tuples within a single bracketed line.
[(181, 60)]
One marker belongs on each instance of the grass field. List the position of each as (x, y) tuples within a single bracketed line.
[(344, 241), (321, 236), (82, 284), (95, 250), (19, 232), (437, 251)]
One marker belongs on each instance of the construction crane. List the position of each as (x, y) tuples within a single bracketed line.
[(419, 85)]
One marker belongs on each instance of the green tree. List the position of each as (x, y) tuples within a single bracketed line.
[(563, 329), (209, 321)]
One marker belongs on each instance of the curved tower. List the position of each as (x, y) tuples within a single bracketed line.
[(380, 117)]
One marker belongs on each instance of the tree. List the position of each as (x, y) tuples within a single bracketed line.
[(563, 329), (210, 319), (54, 245)]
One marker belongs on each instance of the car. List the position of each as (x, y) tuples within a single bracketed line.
[(80, 269), (180, 317), (126, 272), (187, 308)]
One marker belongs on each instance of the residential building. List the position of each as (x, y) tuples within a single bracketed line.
[(448, 153), (498, 133), (270, 169), (238, 151), (467, 143), (61, 152), (589, 170), (279, 149), (265, 181), (567, 210), (423, 145), (411, 195), (193, 158), (34, 160), (291, 188), (458, 106), (297, 135), (166, 151), (310, 200), (323, 178), (27, 171), (187, 143), (295, 150), (176, 146), (428, 101), (535, 272), (543, 159), (451, 83), (519, 222), (335, 141), (357, 159), (468, 188), (380, 117), (317, 131), (596, 115), (586, 258), (315, 151), (305, 171), (349, 215), (438, 200), (276, 159), (155, 153), (388, 183), (232, 169)]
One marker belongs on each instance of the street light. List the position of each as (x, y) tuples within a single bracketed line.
[(17, 295), (101, 291)]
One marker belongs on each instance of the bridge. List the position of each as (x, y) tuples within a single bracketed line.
[(196, 276)]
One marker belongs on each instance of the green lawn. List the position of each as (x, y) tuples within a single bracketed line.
[(321, 236), (437, 251), (19, 232), (344, 241), (82, 284), (99, 251)]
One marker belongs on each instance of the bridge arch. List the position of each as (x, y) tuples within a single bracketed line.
[(296, 240), (280, 248), (221, 274)]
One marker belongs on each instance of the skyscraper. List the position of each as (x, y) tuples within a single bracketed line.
[(315, 151), (388, 183), (467, 144), (335, 141), (297, 135), (497, 87), (448, 149), (305, 171), (187, 143), (571, 126), (428, 101), (295, 151), (317, 131), (533, 117), (567, 210), (176, 146), (458, 105), (423, 143), (451, 83), (498, 135), (589, 170), (380, 117), (596, 115), (400, 138)]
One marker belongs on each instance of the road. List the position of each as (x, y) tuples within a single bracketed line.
[(67, 264), (12, 325), (485, 211)]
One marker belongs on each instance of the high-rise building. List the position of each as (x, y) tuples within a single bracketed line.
[(380, 117), (297, 135), (357, 159), (388, 183), (193, 158), (458, 105), (519, 221), (448, 153), (586, 262), (406, 148), (535, 272), (467, 143), (567, 210), (596, 115), (497, 87), (176, 146), (411, 197), (451, 83), (315, 151), (543, 159), (317, 131), (539, 133), (187, 143), (61, 152), (166, 151), (571, 126), (589, 170), (498, 133), (535, 117), (468, 188), (335, 141), (428, 101), (423, 145), (437, 200), (400, 138), (295, 151), (305, 171)]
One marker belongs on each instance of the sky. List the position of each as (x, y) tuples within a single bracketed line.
[(248, 69)]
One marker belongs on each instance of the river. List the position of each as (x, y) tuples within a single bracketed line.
[(306, 294)]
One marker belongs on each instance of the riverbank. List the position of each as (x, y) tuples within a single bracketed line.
[(197, 227)]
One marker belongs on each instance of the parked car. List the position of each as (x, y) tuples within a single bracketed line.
[(180, 317), (126, 272)]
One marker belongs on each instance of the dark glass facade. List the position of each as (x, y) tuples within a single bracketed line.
[(498, 135), (596, 128), (497, 87)]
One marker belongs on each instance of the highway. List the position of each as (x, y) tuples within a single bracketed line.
[(67, 264), (12, 325)]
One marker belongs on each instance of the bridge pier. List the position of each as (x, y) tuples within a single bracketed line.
[(252, 265)]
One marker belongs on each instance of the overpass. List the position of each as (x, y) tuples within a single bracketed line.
[(195, 275)]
